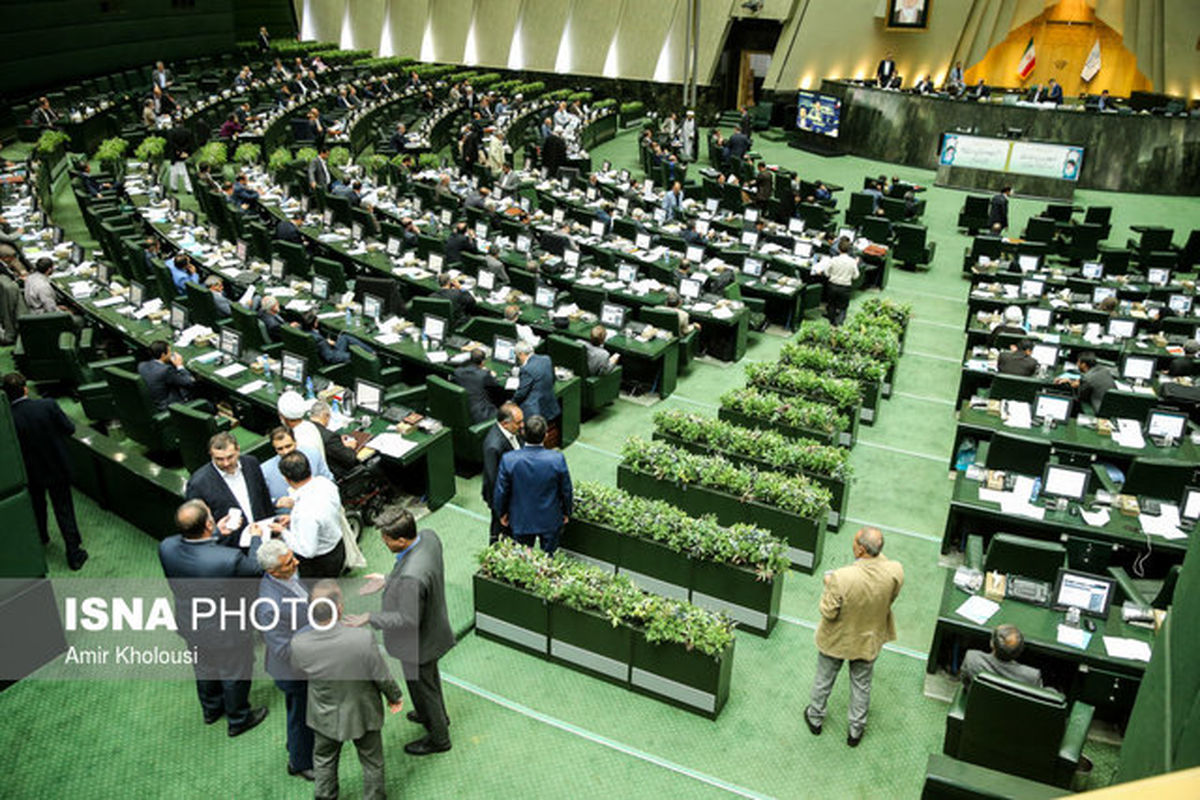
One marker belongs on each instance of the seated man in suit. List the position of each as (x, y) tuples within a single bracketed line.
[(1018, 360), (339, 450), (1094, 383), (1007, 645), (283, 441), (535, 387), (533, 490), (461, 240), (599, 360), (1054, 93), (288, 230), (231, 482), (268, 314), (507, 434), (462, 302), (215, 285), (331, 351), (183, 271), (399, 139), (481, 386), (1187, 364), (508, 181), (167, 380), (243, 195)]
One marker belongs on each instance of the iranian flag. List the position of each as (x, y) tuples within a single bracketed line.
[(1028, 60)]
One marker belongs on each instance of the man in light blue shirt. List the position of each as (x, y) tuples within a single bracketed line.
[(672, 202), (284, 442), (182, 271)]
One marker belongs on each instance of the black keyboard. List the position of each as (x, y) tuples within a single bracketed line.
[(457, 342)]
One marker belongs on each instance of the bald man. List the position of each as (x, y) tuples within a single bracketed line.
[(856, 621)]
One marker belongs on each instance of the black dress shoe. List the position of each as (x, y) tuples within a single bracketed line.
[(307, 774), (815, 730), (853, 740), (209, 719), (77, 559), (256, 716), (424, 747)]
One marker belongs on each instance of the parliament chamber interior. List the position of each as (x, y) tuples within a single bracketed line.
[(363, 348)]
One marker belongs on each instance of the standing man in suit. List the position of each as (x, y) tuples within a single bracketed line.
[(885, 71), (738, 145), (231, 481), (198, 567), (281, 589), (535, 388), (998, 210), (554, 153), (856, 621), (415, 624), (481, 386), (42, 432), (264, 39), (314, 529), (283, 440), (533, 490), (319, 175), (346, 677), (1054, 93), (505, 436), (167, 380)]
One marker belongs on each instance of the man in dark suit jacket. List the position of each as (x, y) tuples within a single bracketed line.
[(533, 490), (535, 388), (42, 432), (481, 385), (231, 481), (346, 676), (282, 589), (502, 438), (998, 209), (885, 70), (197, 567), (268, 313), (167, 380), (462, 302), (554, 154), (462, 240), (1054, 93), (415, 624), (1018, 361), (738, 145), (339, 454)]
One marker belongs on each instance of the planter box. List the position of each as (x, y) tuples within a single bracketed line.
[(688, 679), (837, 487), (654, 567), (872, 392), (851, 412), (595, 544), (588, 642), (745, 420), (805, 537), (511, 615), (738, 592)]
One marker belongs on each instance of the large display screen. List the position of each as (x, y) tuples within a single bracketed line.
[(1059, 161), (818, 113)]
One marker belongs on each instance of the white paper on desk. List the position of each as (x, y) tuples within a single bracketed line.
[(512, 383), (1019, 415), (724, 312), (1128, 433), (1073, 637), (339, 421), (252, 386), (1017, 501), (299, 305), (437, 356), (81, 288), (979, 364), (246, 298), (391, 444), (1132, 649), (329, 314), (246, 538), (230, 371), (1097, 519), (148, 308), (702, 308), (1166, 524), (978, 609), (190, 333), (280, 291), (388, 338)]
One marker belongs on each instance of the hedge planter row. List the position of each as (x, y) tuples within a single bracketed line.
[(738, 418), (805, 536), (852, 411), (735, 590), (589, 642)]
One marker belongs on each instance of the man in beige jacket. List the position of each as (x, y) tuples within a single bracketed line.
[(856, 621)]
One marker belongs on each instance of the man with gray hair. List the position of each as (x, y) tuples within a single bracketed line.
[(216, 286), (1007, 645), (856, 621), (268, 314), (340, 452)]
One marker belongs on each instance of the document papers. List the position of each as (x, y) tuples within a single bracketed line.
[(1132, 649), (1129, 434), (1166, 524), (1073, 637), (391, 444), (978, 609)]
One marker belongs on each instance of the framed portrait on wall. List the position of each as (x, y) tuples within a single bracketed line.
[(908, 14)]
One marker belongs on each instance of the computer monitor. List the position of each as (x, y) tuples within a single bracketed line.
[(1039, 318), (803, 249), (1102, 293), (1032, 288), (849, 233), (434, 328), (1064, 481), (795, 225), (752, 266), (179, 316), (394, 246), (372, 306), (750, 238), (436, 262), (292, 368), (1158, 276), (544, 297), (1017, 454), (241, 249), (642, 240), (1189, 506), (1052, 406), (626, 272), (504, 350), (1046, 355), (77, 253), (695, 253), (571, 257), (702, 227), (368, 396), (137, 294), (1180, 304), (446, 216), (481, 230), (1163, 423), (1028, 262), (750, 215), (689, 289), (711, 205), (558, 214), (320, 287), (277, 268), (101, 273), (1138, 368), (486, 280), (597, 227), (1091, 594), (231, 342), (612, 316), (386, 289), (1092, 270), (1120, 328), (523, 242)]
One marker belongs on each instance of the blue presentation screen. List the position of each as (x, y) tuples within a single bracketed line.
[(818, 113)]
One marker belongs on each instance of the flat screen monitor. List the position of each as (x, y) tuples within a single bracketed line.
[(372, 306), (712, 204), (1027, 262), (1068, 482), (1158, 276), (848, 233), (320, 287), (436, 261), (77, 253), (1102, 293), (1122, 328), (387, 289), (612, 316), (752, 266), (231, 342), (803, 249), (486, 280), (623, 205), (504, 350), (481, 230), (750, 238), (1039, 319), (1138, 368), (689, 289), (1093, 270), (558, 214), (101, 273), (1189, 507), (642, 240), (818, 113), (277, 268), (292, 368), (702, 227), (368, 396), (750, 215), (627, 273), (1052, 406), (795, 225), (695, 253), (571, 257), (523, 242), (597, 227), (446, 216), (394, 246), (1091, 594), (1032, 288), (434, 328), (1163, 423), (660, 216), (241, 250), (137, 293), (1180, 304), (179, 317), (327, 217), (544, 297), (1046, 355)]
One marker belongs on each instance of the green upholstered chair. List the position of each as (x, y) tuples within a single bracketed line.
[(195, 427), (366, 366), (448, 403), (589, 298), (598, 390), (37, 355), (88, 376), (295, 260), (202, 310), (668, 320), (877, 229), (1018, 729), (950, 779), (437, 306), (12, 468), (486, 329), (1018, 555), (294, 340), (332, 271), (861, 205), (145, 425), (974, 213), (254, 333), (911, 249)]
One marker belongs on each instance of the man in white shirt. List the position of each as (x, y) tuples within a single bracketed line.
[(230, 482), (314, 529), (292, 408), (39, 291), (842, 270)]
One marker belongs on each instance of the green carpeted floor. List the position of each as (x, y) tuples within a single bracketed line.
[(523, 727)]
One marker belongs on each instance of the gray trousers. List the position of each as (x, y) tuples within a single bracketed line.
[(327, 751), (860, 691), (10, 308)]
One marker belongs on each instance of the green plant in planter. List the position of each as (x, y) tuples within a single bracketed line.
[(151, 150), (583, 97), (771, 447), (878, 341), (633, 108), (793, 493), (247, 153), (339, 157), (789, 411), (843, 365), (805, 383), (374, 163), (111, 153), (609, 102), (213, 154), (898, 312), (306, 154), (428, 161), (279, 159), (50, 142)]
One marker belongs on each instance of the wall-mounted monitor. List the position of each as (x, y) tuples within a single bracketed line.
[(818, 113)]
